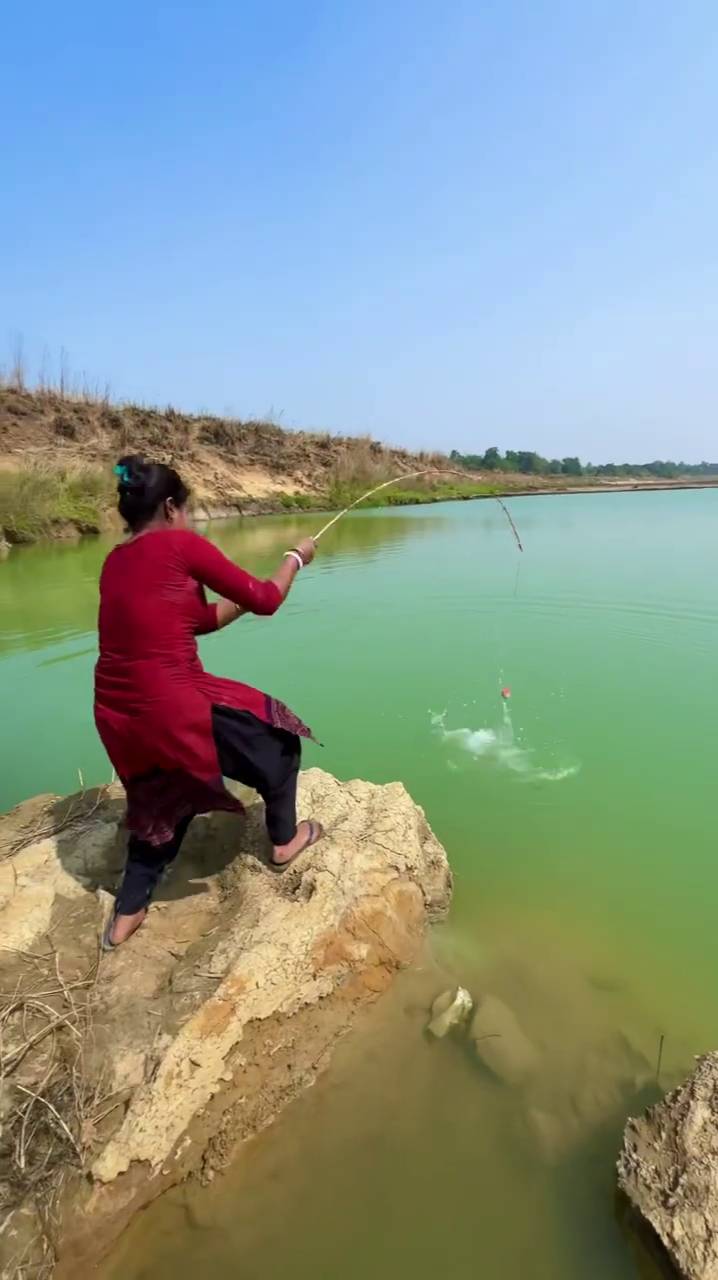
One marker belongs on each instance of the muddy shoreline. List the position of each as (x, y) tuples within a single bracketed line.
[(207, 512)]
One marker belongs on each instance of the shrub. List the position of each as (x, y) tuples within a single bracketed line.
[(297, 501)]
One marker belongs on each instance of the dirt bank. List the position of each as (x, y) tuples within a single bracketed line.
[(124, 1073), (668, 1169), (65, 448), (233, 467)]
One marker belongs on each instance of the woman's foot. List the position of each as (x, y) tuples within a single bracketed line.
[(122, 927), (308, 833)]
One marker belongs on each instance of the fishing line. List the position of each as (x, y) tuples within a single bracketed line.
[(414, 475)]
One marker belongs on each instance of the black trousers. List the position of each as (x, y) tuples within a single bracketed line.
[(249, 751)]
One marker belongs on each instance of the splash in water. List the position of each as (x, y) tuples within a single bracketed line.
[(501, 746)]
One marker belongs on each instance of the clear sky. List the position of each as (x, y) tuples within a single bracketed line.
[(455, 224)]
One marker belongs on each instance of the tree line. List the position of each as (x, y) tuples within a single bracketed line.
[(528, 463)]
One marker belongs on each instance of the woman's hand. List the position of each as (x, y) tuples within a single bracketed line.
[(290, 566), (307, 549)]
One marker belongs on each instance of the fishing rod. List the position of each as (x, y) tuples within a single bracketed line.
[(414, 475)]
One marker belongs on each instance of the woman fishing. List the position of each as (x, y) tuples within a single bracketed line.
[(171, 730)]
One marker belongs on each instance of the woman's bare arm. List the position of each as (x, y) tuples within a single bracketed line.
[(212, 569), (227, 611)]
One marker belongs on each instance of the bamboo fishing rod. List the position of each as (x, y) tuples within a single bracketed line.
[(414, 475)]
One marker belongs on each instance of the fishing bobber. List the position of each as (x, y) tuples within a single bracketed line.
[(505, 693)]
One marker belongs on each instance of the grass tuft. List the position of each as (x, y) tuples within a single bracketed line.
[(37, 501)]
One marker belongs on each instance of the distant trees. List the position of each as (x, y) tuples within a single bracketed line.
[(526, 462), (571, 467)]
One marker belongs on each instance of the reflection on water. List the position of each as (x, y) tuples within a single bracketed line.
[(68, 657), (362, 536), (48, 593)]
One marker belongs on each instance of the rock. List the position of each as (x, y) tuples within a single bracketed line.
[(668, 1169), (229, 1000), (500, 1042), (450, 1009)]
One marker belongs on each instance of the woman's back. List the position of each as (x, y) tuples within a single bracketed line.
[(151, 607), (153, 698)]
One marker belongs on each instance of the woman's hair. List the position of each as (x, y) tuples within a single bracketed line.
[(143, 487)]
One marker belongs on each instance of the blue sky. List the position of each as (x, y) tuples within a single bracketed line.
[(450, 225)]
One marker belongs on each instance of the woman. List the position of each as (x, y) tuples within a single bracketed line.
[(171, 730)]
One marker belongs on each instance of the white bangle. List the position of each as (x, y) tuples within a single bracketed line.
[(295, 556)]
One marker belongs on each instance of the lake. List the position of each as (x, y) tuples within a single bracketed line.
[(579, 821)]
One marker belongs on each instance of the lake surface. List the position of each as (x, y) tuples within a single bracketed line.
[(580, 825)]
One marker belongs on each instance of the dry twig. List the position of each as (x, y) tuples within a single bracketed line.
[(52, 1111), (69, 819)]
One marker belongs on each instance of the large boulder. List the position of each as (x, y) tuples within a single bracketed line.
[(125, 1072), (501, 1043), (668, 1169)]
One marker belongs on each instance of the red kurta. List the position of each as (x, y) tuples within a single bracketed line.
[(153, 698)]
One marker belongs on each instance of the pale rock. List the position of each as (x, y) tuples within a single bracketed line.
[(449, 1010)]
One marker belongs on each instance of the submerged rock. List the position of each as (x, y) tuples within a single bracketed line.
[(668, 1169), (605, 1080), (611, 1075), (500, 1042), (225, 1005), (450, 1009)]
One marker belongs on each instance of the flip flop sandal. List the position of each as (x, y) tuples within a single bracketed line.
[(106, 943), (316, 831)]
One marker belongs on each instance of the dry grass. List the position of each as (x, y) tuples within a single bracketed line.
[(79, 809), (366, 464), (49, 1111), (37, 499), (362, 464), (54, 379)]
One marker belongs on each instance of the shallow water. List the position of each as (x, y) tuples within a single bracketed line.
[(578, 819)]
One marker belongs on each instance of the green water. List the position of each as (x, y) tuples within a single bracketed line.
[(583, 847)]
